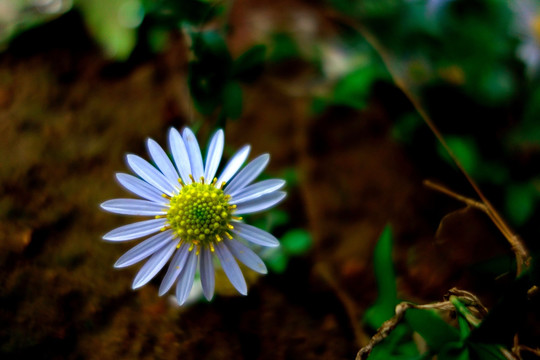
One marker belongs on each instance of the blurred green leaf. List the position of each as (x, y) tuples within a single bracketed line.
[(487, 351), (464, 149), (405, 127), (520, 201), (172, 13), (250, 64), (383, 309), (284, 47), (296, 241), (209, 73), (232, 100), (353, 89), (277, 261), (432, 328), (113, 24)]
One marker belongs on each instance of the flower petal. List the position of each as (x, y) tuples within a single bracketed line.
[(163, 162), (234, 165), (144, 249), (213, 156), (231, 268), (261, 203), (135, 230), (150, 174), (140, 188), (206, 269), (257, 189), (133, 207), (153, 265), (247, 175), (246, 256), (194, 153), (185, 282), (180, 155), (175, 268), (255, 235)]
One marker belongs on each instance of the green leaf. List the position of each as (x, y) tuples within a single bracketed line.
[(277, 261), (171, 13), (250, 64), (520, 201), (354, 88), (232, 100), (464, 149), (296, 241), (283, 48), (432, 328), (487, 351), (383, 309), (113, 24), (209, 74)]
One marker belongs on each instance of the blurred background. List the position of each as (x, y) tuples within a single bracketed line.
[(325, 87)]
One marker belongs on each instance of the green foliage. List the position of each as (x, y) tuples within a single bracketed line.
[(113, 24), (214, 77), (520, 202), (296, 242), (384, 306), (354, 88), (465, 150), (443, 340)]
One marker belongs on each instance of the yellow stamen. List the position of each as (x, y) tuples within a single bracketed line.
[(229, 235), (222, 185), (214, 181), (218, 238), (191, 177), (230, 226), (237, 218), (202, 179), (181, 182), (212, 247)]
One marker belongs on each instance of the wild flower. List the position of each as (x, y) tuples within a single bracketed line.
[(196, 220)]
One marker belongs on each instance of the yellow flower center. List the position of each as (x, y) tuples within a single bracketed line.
[(200, 214)]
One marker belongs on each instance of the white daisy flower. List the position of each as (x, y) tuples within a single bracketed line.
[(195, 215)]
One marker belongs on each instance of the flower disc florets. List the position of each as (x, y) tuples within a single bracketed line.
[(200, 214)]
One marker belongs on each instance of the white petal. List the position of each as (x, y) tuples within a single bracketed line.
[(206, 269), (140, 188), (234, 165), (213, 156), (135, 230), (231, 268), (185, 282), (134, 207), (180, 155), (153, 265), (175, 268), (255, 235), (163, 162), (247, 175), (257, 189), (150, 174), (145, 249), (261, 203), (194, 153), (246, 256)]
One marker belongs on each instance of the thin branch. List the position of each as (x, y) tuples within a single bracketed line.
[(441, 188), (465, 297), (519, 248)]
